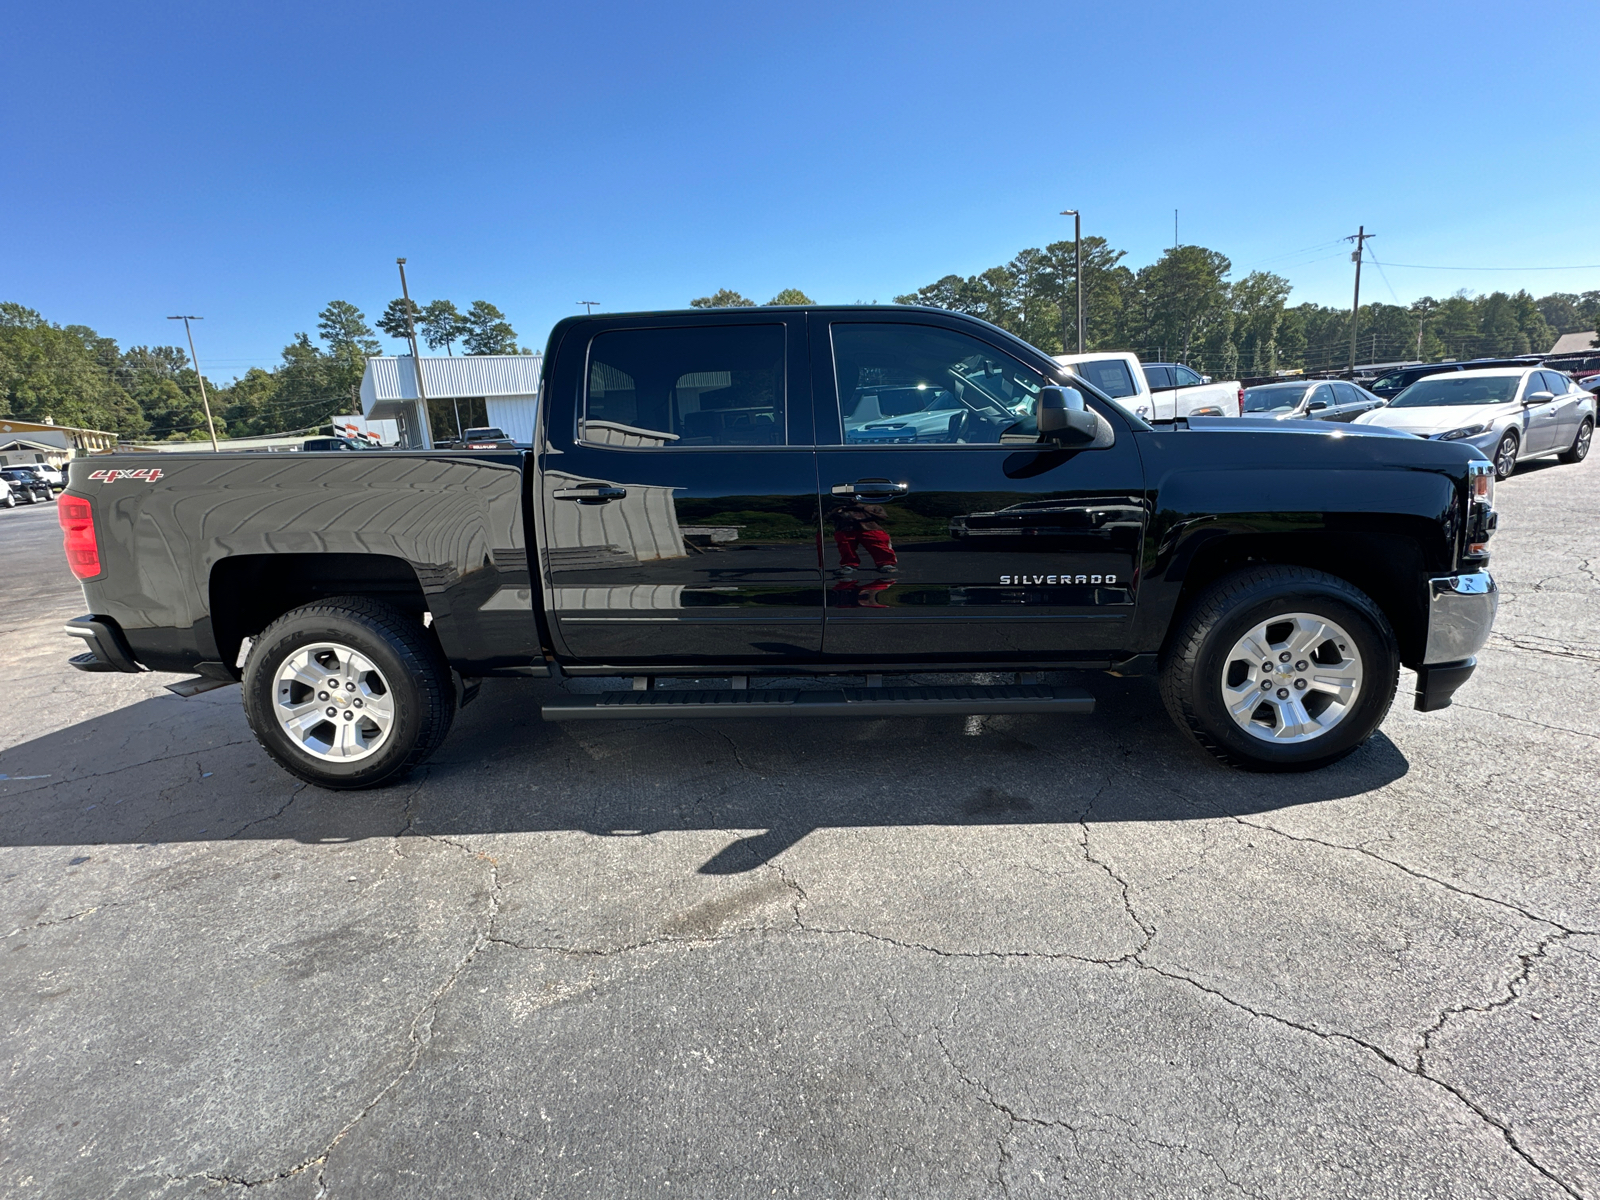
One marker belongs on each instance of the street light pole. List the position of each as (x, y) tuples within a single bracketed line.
[(416, 361), (1077, 272), (205, 400)]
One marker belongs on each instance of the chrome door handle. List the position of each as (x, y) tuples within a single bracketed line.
[(870, 487), (595, 494)]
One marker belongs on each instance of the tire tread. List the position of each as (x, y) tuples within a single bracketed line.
[(1213, 605), (421, 656)]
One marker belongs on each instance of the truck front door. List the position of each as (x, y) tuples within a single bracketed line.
[(952, 532), (679, 493)]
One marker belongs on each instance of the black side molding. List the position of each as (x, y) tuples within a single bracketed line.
[(1437, 683), (822, 702), (108, 649)]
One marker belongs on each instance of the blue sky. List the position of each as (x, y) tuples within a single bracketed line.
[(250, 163)]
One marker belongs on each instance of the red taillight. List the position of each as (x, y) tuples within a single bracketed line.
[(77, 524), (1241, 401)]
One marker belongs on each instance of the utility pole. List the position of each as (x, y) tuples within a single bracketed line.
[(416, 361), (588, 306), (1077, 273), (1360, 239), (205, 401)]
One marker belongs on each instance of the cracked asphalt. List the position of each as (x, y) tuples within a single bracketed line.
[(1018, 956)]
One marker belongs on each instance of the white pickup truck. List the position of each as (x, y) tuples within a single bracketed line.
[(1156, 391)]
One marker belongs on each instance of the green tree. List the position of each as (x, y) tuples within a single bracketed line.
[(787, 296), (344, 327), (723, 298), (400, 318), (1184, 307), (443, 325), (488, 331), (1258, 303), (60, 374)]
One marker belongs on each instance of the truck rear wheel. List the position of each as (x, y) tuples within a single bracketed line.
[(1281, 669), (348, 693)]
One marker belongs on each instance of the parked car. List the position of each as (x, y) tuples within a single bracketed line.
[(1391, 383), (1512, 415), (24, 487), (1156, 391), (1310, 399), (335, 443), (46, 472), (486, 437)]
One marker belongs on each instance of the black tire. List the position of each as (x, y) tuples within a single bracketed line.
[(414, 668), (1505, 455), (1579, 450), (10, 500), (1195, 665)]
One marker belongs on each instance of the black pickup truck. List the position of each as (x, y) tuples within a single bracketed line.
[(854, 493)]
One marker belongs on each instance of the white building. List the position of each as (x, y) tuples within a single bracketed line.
[(473, 390)]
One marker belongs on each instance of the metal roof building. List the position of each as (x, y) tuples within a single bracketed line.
[(474, 389)]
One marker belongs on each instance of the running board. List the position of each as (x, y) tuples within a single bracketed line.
[(821, 702)]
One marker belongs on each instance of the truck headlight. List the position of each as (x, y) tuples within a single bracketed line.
[(1465, 431)]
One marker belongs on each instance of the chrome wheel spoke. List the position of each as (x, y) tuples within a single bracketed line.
[(333, 703), (1305, 697)]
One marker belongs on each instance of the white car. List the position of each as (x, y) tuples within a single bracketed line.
[(1512, 414), (1156, 391)]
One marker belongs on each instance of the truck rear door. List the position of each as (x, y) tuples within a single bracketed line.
[(952, 532), (679, 494)]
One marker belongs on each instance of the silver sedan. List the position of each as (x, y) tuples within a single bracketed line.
[(1512, 414)]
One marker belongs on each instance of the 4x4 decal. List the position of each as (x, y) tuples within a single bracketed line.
[(147, 474)]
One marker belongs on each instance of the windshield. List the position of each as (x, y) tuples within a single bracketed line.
[(1274, 396), (1438, 391)]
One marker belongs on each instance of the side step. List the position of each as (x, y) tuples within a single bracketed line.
[(822, 702)]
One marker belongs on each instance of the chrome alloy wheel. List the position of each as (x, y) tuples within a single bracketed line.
[(333, 703), (1505, 456), (1580, 447), (1291, 678)]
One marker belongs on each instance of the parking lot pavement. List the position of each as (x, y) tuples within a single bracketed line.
[(1025, 956)]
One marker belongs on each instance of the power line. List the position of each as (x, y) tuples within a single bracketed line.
[(1424, 267)]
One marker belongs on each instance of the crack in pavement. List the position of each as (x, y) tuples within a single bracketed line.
[(134, 766), (1524, 720), (293, 796), (1502, 641), (419, 1034), (1418, 1072), (1514, 990)]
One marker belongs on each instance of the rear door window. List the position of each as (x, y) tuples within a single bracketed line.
[(691, 387)]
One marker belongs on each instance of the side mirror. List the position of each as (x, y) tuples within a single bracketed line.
[(1538, 398), (1063, 417), (1316, 406)]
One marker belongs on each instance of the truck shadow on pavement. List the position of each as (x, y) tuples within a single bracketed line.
[(165, 770)]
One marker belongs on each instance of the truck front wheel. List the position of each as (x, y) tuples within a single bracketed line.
[(1281, 669), (348, 692)]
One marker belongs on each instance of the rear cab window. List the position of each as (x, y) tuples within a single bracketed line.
[(1110, 375), (687, 387)]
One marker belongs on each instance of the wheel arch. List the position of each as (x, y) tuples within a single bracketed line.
[(250, 591), (1387, 567)]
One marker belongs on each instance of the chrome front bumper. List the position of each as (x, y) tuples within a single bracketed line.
[(1461, 611)]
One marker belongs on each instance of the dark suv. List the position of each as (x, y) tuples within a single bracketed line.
[(23, 487)]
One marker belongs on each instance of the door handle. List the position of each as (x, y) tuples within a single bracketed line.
[(870, 487), (592, 494)]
